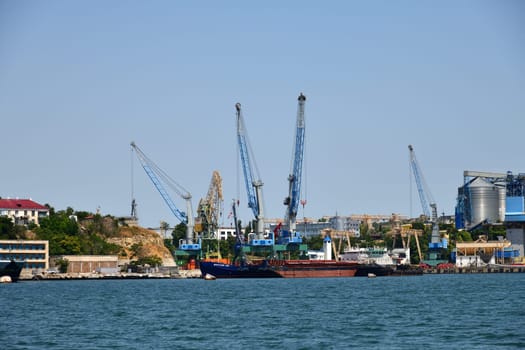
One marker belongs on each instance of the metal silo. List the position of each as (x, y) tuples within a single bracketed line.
[(502, 189), (485, 201)]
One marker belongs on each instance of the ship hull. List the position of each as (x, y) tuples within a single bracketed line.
[(363, 270), (219, 270), (11, 268), (281, 269)]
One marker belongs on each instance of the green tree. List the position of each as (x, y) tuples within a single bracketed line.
[(314, 242), (94, 244), (228, 247), (63, 232), (59, 222), (70, 245), (464, 236), (135, 249), (151, 260), (7, 228), (62, 265), (178, 233), (168, 243)]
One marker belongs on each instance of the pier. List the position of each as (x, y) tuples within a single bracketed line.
[(477, 269)]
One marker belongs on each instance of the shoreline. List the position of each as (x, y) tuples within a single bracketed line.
[(192, 274), (480, 269)]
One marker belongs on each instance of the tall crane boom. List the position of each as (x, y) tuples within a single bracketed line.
[(159, 178), (295, 177), (425, 196), (427, 201), (253, 185)]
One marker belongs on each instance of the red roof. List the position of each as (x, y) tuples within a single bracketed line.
[(20, 204)]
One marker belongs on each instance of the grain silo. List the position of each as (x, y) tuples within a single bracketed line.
[(481, 199)]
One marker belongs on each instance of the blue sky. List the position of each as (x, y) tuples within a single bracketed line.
[(80, 80)]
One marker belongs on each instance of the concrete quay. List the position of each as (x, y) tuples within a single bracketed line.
[(193, 273), (477, 269), (181, 274), (93, 276)]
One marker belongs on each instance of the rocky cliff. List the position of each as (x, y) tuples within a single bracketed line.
[(138, 242)]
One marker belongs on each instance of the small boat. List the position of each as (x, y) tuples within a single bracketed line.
[(6, 279), (209, 277), (371, 275)]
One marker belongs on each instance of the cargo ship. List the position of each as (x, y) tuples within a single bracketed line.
[(281, 269), (11, 269)]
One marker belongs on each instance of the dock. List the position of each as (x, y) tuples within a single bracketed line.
[(477, 269)]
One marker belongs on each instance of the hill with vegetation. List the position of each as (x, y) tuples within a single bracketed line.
[(72, 232)]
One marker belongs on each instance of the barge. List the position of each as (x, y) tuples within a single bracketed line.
[(280, 269)]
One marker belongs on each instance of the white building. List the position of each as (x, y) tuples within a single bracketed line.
[(23, 211)]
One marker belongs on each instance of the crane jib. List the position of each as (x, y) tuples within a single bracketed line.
[(295, 177), (159, 178)]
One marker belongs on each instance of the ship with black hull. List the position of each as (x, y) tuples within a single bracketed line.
[(11, 269), (220, 270), (364, 270)]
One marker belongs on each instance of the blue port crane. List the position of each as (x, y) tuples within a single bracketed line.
[(295, 177), (427, 200), (253, 184), (160, 179)]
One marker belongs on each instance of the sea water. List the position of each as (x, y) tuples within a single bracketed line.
[(477, 311)]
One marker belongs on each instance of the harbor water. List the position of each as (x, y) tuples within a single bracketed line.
[(475, 311)]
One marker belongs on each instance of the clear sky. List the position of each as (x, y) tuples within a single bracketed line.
[(80, 80)]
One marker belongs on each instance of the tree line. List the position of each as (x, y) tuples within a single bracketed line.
[(69, 232)]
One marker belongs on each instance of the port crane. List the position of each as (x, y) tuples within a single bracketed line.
[(210, 207), (253, 185), (160, 179), (295, 177), (427, 202)]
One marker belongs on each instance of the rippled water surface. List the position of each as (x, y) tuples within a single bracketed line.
[(483, 311)]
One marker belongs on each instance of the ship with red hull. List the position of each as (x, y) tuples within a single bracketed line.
[(281, 269)]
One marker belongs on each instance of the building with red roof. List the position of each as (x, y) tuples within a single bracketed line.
[(23, 211)]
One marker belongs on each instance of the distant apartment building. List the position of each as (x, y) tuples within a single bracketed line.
[(34, 254), (307, 228), (23, 211)]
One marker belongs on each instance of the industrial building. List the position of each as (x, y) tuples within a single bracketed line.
[(481, 252), (91, 263), (494, 199)]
